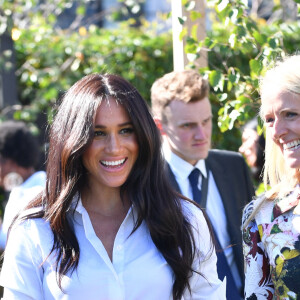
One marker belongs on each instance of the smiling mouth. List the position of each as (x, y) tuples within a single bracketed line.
[(113, 163), (294, 145)]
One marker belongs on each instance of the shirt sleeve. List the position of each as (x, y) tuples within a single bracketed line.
[(206, 284), (18, 200), (258, 282), (22, 271)]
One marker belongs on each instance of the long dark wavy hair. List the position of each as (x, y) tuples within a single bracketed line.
[(147, 186)]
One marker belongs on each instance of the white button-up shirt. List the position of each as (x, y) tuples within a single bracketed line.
[(19, 198), (137, 270)]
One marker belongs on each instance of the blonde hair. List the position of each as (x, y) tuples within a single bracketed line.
[(279, 179), (285, 76)]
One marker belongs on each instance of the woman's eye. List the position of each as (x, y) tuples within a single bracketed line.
[(290, 114), (99, 133), (128, 130), (269, 120)]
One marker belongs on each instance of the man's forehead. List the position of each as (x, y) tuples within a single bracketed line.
[(185, 110)]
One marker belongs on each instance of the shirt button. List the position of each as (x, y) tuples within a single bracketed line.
[(119, 247)]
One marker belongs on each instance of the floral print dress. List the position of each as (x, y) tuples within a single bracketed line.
[(271, 245)]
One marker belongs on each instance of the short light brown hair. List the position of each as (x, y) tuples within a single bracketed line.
[(187, 86)]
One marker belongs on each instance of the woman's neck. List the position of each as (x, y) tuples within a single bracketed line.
[(106, 202)]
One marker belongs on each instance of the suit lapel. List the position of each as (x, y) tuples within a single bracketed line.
[(172, 178), (221, 178)]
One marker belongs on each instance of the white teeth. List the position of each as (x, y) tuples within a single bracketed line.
[(113, 163), (292, 145)]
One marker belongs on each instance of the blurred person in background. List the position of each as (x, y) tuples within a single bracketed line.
[(19, 159), (253, 149)]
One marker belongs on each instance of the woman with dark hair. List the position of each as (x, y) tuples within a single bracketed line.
[(108, 226)]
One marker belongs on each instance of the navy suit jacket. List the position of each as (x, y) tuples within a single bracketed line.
[(233, 180)]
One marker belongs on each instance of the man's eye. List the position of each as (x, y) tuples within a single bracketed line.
[(206, 121), (187, 125)]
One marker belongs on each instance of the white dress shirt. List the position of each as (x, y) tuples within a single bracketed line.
[(137, 270), (214, 205), (19, 197)]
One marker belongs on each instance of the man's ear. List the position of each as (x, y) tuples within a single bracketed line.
[(159, 125)]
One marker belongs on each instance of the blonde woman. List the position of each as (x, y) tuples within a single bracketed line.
[(271, 223)]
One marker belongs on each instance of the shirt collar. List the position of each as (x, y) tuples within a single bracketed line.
[(80, 208), (180, 167)]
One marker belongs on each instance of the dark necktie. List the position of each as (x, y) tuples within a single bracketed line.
[(223, 268), (194, 179)]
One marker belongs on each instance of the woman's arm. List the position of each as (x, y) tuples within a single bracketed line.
[(22, 273)]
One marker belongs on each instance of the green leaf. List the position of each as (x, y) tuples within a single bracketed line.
[(223, 122), (241, 31), (223, 4), (209, 43), (81, 10), (255, 66), (190, 5), (183, 33), (194, 32), (272, 42), (260, 38), (243, 100), (222, 97), (195, 15), (216, 80), (233, 116), (181, 20), (233, 15)]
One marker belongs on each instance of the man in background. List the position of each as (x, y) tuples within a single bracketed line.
[(216, 179)]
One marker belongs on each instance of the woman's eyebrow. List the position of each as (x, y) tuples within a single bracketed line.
[(120, 125)]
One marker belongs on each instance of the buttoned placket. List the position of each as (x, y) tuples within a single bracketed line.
[(116, 266)]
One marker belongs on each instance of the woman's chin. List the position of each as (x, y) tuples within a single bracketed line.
[(293, 164)]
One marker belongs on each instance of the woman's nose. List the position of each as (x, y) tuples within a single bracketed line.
[(279, 129), (113, 144)]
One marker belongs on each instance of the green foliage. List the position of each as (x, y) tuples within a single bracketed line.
[(50, 59), (48, 63), (240, 49)]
